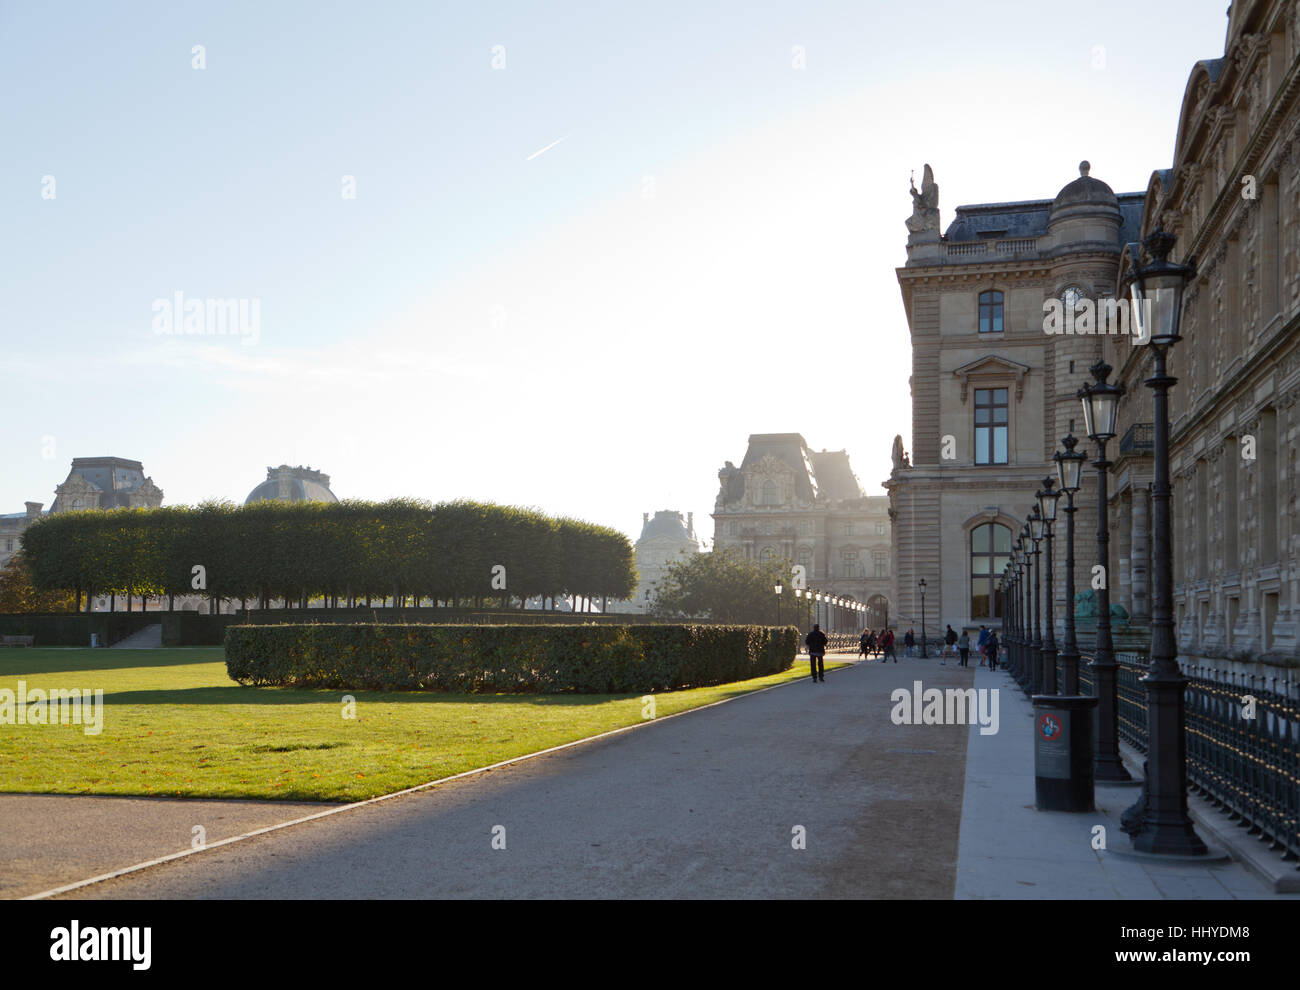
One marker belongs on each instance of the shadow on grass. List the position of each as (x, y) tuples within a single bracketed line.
[(36, 661), (318, 696)]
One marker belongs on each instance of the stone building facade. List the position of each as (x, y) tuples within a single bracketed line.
[(292, 484), (664, 539), (1232, 199), (92, 483), (106, 483), (992, 392), (786, 501)]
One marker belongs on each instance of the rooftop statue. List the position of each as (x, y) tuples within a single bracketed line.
[(925, 204)]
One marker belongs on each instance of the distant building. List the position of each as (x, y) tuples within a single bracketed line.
[(664, 539), (788, 502), (106, 483), (292, 484), (11, 530)]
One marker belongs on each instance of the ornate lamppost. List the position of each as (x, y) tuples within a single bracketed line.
[(1023, 631), (1047, 498), (1100, 408), (1068, 465), (778, 602), (1164, 826), (1036, 535), (921, 585)]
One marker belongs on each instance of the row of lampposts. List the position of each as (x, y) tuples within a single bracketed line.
[(811, 602), (1158, 821)]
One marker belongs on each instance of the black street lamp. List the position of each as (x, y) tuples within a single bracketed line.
[(1100, 408), (921, 585), (1164, 826), (1023, 632), (1068, 465), (1036, 535), (779, 589), (1047, 508)]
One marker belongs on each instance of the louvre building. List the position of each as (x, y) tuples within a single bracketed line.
[(993, 393)]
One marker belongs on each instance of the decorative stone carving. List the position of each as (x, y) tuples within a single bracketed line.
[(925, 208)]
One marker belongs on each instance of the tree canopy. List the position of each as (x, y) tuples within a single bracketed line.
[(448, 552), (725, 586)]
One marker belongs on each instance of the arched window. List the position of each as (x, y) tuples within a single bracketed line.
[(990, 312), (805, 557), (769, 494), (990, 550)]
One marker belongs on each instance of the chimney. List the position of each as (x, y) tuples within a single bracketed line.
[(645, 518), (33, 510)]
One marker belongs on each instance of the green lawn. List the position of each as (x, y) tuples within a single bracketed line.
[(175, 725)]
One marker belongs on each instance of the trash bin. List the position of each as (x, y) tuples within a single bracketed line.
[(1063, 756), (94, 641)]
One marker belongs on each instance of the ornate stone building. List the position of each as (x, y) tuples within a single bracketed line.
[(1232, 198), (92, 483), (292, 484), (992, 393), (106, 483), (665, 538), (11, 530), (988, 378), (786, 501)]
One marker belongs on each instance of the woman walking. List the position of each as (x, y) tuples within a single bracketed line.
[(963, 646)]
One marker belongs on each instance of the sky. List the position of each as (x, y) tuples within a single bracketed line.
[(566, 256)]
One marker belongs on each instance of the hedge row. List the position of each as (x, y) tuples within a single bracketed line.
[(351, 549), (514, 658)]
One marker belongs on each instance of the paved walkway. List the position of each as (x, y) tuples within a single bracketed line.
[(1010, 850)]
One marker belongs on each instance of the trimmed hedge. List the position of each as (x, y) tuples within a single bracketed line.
[(515, 658)]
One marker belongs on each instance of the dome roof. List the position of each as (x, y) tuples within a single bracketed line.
[(292, 484), (1085, 191)]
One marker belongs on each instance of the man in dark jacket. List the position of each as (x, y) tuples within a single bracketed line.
[(991, 650), (816, 643)]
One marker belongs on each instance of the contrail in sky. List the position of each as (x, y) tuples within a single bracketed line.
[(546, 149)]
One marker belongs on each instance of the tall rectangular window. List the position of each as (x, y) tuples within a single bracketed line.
[(1266, 486), (1229, 496), (1202, 518), (990, 312), (991, 413), (880, 561)]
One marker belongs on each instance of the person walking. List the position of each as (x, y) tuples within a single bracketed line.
[(963, 646), (864, 644), (888, 650), (991, 649), (950, 641), (982, 642), (909, 641), (816, 643)]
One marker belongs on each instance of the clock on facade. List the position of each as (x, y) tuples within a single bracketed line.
[(1070, 297)]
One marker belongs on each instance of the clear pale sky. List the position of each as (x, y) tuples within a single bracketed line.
[(707, 252)]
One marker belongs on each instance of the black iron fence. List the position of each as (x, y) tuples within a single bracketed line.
[(1243, 742)]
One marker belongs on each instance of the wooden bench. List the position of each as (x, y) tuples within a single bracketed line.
[(17, 640)]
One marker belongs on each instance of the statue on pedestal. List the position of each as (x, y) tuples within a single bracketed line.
[(925, 208)]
